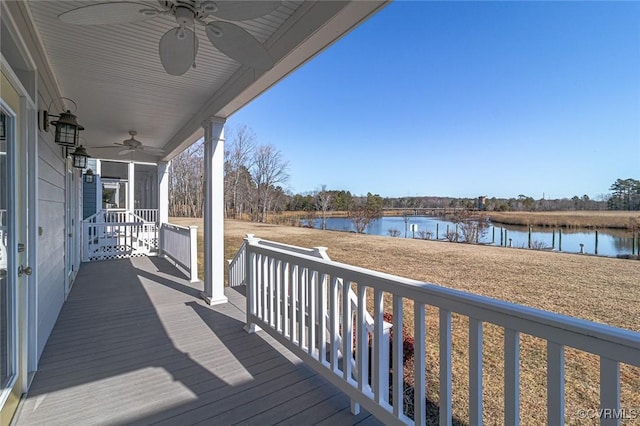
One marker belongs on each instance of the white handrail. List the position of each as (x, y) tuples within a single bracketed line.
[(148, 215), (116, 240), (237, 276), (274, 273), (180, 244)]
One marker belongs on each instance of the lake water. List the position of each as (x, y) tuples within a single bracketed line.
[(610, 242)]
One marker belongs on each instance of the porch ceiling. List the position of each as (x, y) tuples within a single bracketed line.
[(114, 74)]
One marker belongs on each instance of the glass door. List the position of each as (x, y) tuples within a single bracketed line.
[(13, 256), (10, 388), (7, 345)]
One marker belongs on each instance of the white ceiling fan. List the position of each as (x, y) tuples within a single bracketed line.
[(178, 46), (133, 145)]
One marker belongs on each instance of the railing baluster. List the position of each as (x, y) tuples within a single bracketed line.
[(362, 341), (251, 286), (286, 298), (555, 384), (293, 317), (333, 323), (380, 359), (347, 331), (302, 278), (419, 364), (475, 371), (445, 367), (312, 277), (272, 294), (609, 392), (278, 286), (322, 316), (511, 377), (398, 356), (265, 288), (258, 286)]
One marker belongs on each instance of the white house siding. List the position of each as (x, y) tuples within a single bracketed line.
[(51, 242)]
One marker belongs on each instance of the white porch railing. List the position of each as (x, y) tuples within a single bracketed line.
[(117, 234), (180, 244), (148, 215), (237, 276), (277, 277)]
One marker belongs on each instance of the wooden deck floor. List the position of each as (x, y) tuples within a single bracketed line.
[(135, 345)]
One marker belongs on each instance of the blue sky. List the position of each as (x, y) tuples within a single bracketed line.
[(465, 99)]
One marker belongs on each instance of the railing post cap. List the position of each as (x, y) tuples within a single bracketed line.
[(321, 252), (193, 226), (251, 238)]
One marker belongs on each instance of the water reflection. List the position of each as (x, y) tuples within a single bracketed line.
[(610, 242)]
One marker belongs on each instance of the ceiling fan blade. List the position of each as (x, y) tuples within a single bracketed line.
[(126, 151), (115, 145), (178, 50), (238, 44), (108, 13), (244, 10), (152, 149)]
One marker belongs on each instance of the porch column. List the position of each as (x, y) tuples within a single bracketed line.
[(163, 191), (214, 211), (163, 201), (132, 188)]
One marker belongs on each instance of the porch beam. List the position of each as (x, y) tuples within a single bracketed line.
[(213, 292)]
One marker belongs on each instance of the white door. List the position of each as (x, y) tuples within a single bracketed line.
[(13, 255)]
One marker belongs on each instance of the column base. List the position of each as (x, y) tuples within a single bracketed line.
[(251, 328), (211, 301)]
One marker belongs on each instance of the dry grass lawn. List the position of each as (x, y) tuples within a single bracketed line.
[(599, 289)]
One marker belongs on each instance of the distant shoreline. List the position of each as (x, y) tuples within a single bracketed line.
[(598, 219), (595, 219)]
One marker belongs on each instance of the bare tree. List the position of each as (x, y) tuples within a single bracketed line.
[(473, 227), (238, 157), (268, 170), (186, 182), (323, 200)]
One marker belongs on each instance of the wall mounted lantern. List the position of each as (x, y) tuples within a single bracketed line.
[(88, 177), (79, 157), (67, 126)]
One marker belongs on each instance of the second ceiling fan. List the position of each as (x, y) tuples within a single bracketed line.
[(178, 46), (133, 145)]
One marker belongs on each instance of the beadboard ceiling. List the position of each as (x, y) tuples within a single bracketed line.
[(114, 74)]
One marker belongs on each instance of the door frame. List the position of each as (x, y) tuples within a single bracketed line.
[(24, 302), (69, 232), (12, 252)]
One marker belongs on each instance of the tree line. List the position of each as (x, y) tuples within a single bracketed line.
[(256, 177)]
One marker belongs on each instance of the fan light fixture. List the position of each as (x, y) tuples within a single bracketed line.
[(79, 157), (67, 126), (178, 47)]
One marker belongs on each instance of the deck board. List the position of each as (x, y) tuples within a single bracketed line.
[(135, 345)]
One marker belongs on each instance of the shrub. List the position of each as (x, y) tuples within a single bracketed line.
[(538, 245), (393, 232)]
